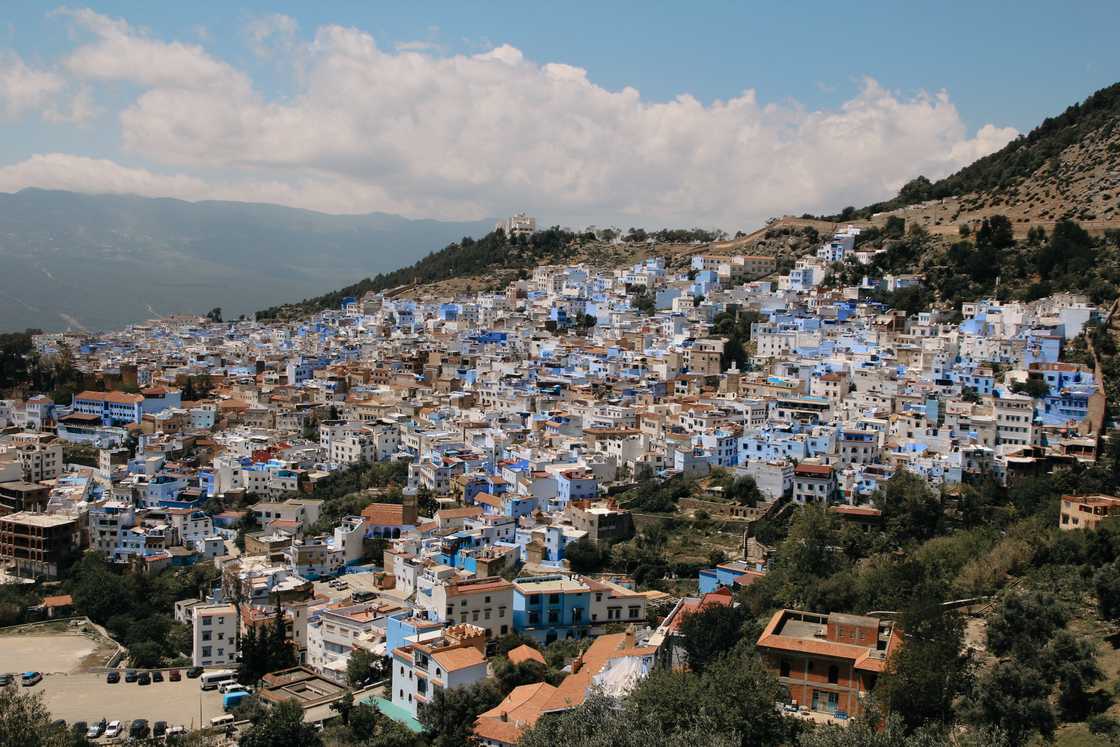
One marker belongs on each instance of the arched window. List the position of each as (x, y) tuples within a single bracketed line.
[(833, 674)]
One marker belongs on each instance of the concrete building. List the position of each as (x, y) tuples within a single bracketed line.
[(214, 640), (38, 545)]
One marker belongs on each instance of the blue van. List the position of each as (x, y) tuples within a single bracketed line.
[(230, 700)]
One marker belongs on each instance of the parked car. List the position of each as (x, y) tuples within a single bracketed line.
[(139, 729), (229, 687), (176, 730), (95, 730), (7, 679), (157, 676), (159, 728), (130, 675), (144, 679), (194, 673), (174, 675), (113, 677), (114, 729), (31, 678)]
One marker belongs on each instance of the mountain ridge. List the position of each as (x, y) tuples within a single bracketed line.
[(102, 261)]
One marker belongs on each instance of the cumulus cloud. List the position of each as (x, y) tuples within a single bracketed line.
[(24, 89), (120, 51), (95, 175), (407, 130)]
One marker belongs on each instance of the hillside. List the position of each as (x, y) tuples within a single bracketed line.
[(490, 262), (102, 261), (1066, 168)]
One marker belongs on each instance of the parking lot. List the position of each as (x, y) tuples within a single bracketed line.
[(87, 697)]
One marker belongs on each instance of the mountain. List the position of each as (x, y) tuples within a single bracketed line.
[(1066, 168), (103, 261)]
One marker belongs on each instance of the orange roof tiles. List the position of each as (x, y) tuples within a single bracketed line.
[(524, 653), (384, 514), (458, 658)]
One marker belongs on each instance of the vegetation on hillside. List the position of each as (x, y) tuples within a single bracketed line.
[(1014, 162), (465, 257)]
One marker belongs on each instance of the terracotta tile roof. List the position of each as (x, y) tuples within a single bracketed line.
[(61, 600), (120, 398), (815, 470), (457, 513), (519, 710), (525, 653), (459, 658), (384, 514), (573, 690)]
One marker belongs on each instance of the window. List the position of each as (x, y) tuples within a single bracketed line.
[(783, 668), (833, 674)]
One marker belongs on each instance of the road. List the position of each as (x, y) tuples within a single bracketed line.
[(87, 697)]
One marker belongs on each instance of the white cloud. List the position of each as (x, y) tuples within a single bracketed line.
[(122, 52), (471, 135), (81, 109), (24, 89), (269, 32), (97, 175)]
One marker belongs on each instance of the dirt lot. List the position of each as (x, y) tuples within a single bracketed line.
[(354, 581), (87, 697), (52, 650)]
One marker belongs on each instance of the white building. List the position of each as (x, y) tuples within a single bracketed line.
[(214, 634)]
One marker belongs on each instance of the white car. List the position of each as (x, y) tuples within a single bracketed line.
[(231, 687), (114, 729), (94, 730), (176, 730)]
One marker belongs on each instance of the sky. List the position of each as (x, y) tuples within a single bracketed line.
[(713, 114)]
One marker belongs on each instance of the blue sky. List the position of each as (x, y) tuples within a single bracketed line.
[(575, 144)]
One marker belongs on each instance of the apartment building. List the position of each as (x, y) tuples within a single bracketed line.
[(36, 545), (829, 663), (1087, 511), (420, 670), (214, 634), (486, 603)]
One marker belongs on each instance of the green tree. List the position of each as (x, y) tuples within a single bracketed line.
[(145, 654), (895, 227), (1107, 583), (1015, 698), (509, 675), (284, 727), (710, 632), (584, 556), (25, 720), (449, 717), (911, 511), (1023, 623), (598, 723), (362, 667), (1072, 661), (928, 671)]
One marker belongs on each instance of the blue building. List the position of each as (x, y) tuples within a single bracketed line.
[(548, 608)]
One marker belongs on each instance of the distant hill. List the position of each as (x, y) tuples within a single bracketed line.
[(1066, 168), (489, 262), (103, 261)]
